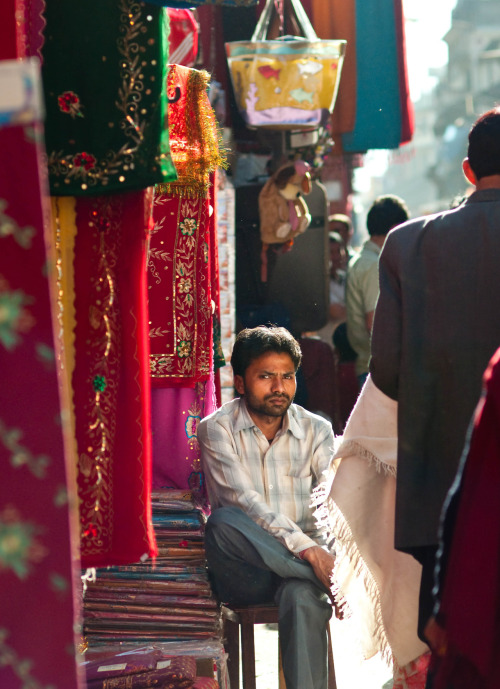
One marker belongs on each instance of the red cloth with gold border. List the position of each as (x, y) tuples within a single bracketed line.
[(110, 379)]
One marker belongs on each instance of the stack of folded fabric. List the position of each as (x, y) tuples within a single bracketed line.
[(138, 618), (146, 668)]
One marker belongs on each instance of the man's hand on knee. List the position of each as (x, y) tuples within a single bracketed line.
[(322, 563)]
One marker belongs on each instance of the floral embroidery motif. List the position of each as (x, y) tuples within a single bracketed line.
[(21, 456), (21, 668), (70, 103), (9, 227), (99, 384), (184, 285), (19, 547), (84, 160), (14, 318), (188, 226), (184, 348)]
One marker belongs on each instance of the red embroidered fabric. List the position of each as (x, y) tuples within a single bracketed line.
[(110, 380), (179, 289), (37, 599)]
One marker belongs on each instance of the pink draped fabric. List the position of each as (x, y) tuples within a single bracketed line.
[(176, 413)]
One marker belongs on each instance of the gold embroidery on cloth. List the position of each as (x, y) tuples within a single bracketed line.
[(195, 142), (95, 464), (84, 165), (188, 356)]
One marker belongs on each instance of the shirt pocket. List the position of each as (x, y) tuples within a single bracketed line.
[(300, 486)]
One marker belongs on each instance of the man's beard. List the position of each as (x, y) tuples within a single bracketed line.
[(266, 407)]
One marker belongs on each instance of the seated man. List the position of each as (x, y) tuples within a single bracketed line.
[(262, 456)]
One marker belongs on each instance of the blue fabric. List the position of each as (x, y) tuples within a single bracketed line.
[(378, 104)]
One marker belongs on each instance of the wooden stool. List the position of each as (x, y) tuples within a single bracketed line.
[(244, 618)]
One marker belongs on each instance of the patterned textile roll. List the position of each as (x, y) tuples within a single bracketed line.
[(205, 683), (110, 380), (104, 72)]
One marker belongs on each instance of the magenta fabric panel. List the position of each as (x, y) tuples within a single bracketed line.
[(176, 413), (37, 578)]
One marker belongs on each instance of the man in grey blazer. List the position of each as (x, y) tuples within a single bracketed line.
[(436, 325)]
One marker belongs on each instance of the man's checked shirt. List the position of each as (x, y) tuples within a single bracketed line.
[(271, 482)]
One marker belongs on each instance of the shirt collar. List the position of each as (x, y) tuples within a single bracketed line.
[(371, 246), (243, 420), (484, 195)]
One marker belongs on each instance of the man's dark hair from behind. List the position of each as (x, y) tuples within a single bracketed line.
[(484, 144), (385, 213), (251, 343)]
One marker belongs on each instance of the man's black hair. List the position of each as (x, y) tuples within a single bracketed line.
[(253, 342), (484, 144), (386, 212)]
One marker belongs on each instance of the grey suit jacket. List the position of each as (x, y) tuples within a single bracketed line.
[(436, 325)]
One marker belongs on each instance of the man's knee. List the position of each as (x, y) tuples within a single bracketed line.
[(224, 515), (300, 593)]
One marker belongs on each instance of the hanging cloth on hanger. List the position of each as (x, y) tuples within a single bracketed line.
[(39, 568), (380, 75), (337, 19), (104, 72), (180, 300), (110, 381)]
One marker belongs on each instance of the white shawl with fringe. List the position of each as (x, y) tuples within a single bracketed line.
[(377, 585)]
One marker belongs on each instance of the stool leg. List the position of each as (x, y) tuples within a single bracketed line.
[(332, 682), (231, 635), (282, 684), (248, 655)]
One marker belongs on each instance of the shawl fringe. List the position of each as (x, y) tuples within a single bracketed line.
[(336, 529)]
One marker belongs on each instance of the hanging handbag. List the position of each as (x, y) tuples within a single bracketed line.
[(289, 83)]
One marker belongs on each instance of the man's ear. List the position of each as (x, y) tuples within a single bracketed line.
[(239, 384), (469, 174)]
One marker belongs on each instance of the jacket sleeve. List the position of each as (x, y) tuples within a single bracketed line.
[(387, 325)]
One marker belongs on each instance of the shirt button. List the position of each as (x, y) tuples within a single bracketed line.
[(271, 487)]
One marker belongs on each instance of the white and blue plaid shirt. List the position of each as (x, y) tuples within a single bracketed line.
[(272, 483)]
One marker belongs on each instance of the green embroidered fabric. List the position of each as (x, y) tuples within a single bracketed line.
[(104, 77)]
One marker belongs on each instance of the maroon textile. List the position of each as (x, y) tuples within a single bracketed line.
[(30, 26), (407, 112), (37, 603), (111, 381), (470, 605), (318, 369), (8, 43)]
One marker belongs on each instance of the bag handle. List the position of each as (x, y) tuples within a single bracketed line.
[(260, 33)]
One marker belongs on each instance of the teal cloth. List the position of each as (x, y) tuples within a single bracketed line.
[(104, 78), (378, 100)]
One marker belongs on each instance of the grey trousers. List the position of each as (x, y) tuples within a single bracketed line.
[(249, 566)]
